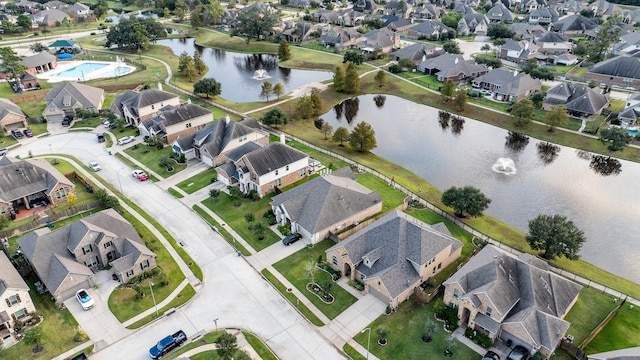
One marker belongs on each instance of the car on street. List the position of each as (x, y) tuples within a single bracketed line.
[(106, 123), (17, 133), (66, 121), (519, 353), (101, 137), (490, 355), (290, 239), (85, 299), (140, 175), (167, 344), (4, 151), (93, 165), (126, 140), (28, 133)]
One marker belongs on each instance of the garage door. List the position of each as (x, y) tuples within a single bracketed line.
[(55, 118)]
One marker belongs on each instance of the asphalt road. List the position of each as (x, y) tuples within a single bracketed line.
[(232, 291)]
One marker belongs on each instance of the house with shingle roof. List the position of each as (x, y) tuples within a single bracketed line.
[(65, 259), (340, 37), (507, 85), (26, 183), (79, 9), (580, 100), (527, 6), (49, 17), (526, 31), (573, 24), (500, 13), (212, 142), (15, 301), (427, 11), (622, 70), (628, 43), (452, 67), (262, 170), (542, 16), (383, 39), (429, 29), (417, 52), (473, 23), (39, 63), (516, 299), (394, 255), (518, 51), (11, 116), (571, 7), (325, 204), (552, 43), (64, 99), (174, 121), (136, 106)]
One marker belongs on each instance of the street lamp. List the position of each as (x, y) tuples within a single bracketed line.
[(153, 297), (368, 340), (50, 150)]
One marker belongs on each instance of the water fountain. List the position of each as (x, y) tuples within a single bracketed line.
[(261, 74), (504, 166)]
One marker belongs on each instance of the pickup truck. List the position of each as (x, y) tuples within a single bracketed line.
[(167, 344)]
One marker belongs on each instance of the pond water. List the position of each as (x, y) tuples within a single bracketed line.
[(236, 71), (523, 176)]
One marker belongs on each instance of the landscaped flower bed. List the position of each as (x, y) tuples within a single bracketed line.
[(320, 293)]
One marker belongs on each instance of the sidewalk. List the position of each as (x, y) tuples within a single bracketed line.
[(159, 306)]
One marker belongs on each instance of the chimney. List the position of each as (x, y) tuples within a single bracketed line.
[(160, 86), (189, 101), (283, 140), (515, 72), (227, 119), (456, 60)]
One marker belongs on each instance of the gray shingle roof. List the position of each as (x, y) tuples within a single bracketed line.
[(135, 100), (509, 82), (27, 177), (579, 98), (550, 37), (415, 51), (273, 156), (430, 27), (9, 276), (575, 22), (449, 65), (39, 59), (8, 107), (500, 12), (623, 66), (80, 94)]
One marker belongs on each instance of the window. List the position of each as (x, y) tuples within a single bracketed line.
[(20, 314), (303, 171), (439, 266), (334, 260), (86, 249), (12, 300), (363, 276), (144, 264), (278, 182), (276, 172), (108, 244), (130, 273), (188, 125), (153, 107), (287, 168), (2, 211), (93, 261), (434, 270), (455, 293), (488, 313)]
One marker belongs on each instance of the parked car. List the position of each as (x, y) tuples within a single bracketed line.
[(106, 124), (101, 137), (519, 353), (85, 299), (66, 121), (126, 140), (167, 344), (28, 133), (17, 133), (94, 166), (290, 239), (490, 355), (4, 151), (140, 175)]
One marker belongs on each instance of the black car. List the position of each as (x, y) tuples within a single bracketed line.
[(17, 133), (519, 353), (490, 355), (290, 239), (66, 121)]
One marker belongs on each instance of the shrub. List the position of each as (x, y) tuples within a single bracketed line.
[(356, 284), (249, 217), (448, 314), (270, 217), (284, 230)]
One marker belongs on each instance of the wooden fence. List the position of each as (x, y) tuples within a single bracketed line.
[(28, 98)]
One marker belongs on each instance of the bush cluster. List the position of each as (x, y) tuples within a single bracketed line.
[(448, 314)]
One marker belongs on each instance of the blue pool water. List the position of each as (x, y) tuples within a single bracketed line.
[(633, 133), (79, 71)]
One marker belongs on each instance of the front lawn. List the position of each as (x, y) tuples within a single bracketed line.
[(150, 157), (293, 269), (406, 327), (623, 331), (391, 197), (198, 181), (302, 308), (589, 310)]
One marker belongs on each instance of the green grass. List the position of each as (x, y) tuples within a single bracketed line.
[(406, 327), (175, 193), (85, 351), (293, 269), (183, 296), (617, 105), (208, 338), (579, 72), (259, 346), (198, 181), (234, 217), (589, 310), (302, 308), (391, 197), (150, 157), (623, 331), (221, 230), (353, 353), (87, 123)]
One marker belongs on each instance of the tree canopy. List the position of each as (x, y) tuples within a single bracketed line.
[(556, 236), (208, 86), (226, 345), (274, 117), (341, 134), (468, 199), (451, 47), (363, 137), (556, 116), (257, 22), (355, 56), (135, 33), (284, 52), (522, 112), (11, 61), (351, 79), (617, 138)]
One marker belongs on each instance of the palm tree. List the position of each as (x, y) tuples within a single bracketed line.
[(382, 335)]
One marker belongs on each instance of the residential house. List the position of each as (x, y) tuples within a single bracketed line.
[(631, 16), (500, 13), (603, 8), (622, 70), (137, 106), (507, 85), (65, 259), (395, 255), (526, 31), (325, 204), (324, 16), (398, 8), (629, 116), (300, 4), (28, 82), (473, 23), (31, 182), (397, 24), (64, 99), (581, 101), (349, 17), (26, 6), (518, 51), (573, 25), (11, 116), (211, 143), (543, 16), (264, 169), (429, 29), (552, 43), (299, 32), (426, 11), (79, 9), (566, 59), (452, 67), (417, 52), (340, 38), (39, 63), (382, 39), (49, 17), (365, 6), (462, 8), (15, 302), (628, 43), (527, 6), (571, 7), (516, 299), (55, 4), (175, 121), (592, 34)]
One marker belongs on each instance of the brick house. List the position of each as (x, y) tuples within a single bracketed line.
[(136, 106), (175, 121)]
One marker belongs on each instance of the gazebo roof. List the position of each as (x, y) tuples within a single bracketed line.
[(63, 43)]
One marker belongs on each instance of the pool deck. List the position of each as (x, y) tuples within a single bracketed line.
[(103, 73)]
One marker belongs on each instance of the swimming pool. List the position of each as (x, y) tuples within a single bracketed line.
[(77, 72), (633, 133), (86, 70)]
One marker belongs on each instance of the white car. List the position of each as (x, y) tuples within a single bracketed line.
[(94, 166), (106, 124), (126, 140), (140, 175), (85, 299)]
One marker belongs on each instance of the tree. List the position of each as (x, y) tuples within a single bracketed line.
[(256, 22), (468, 200), (304, 107), (609, 33), (226, 345), (310, 270), (451, 47), (135, 33), (316, 100), (461, 99), (556, 116), (278, 89), (284, 53), (538, 98), (341, 134), (382, 333), (338, 79), (485, 48), (190, 71), (351, 79), (327, 129), (354, 56), (556, 236), (617, 138), (499, 30), (37, 47), (381, 78), (259, 229), (363, 137), (430, 327), (196, 19), (183, 61), (266, 90), (198, 63), (33, 336), (11, 61), (448, 90), (451, 19), (274, 117), (522, 112), (7, 26), (101, 9), (208, 86), (181, 9), (24, 22), (72, 199)]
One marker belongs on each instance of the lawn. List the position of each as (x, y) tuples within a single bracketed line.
[(150, 156), (259, 346), (221, 230), (198, 181), (182, 297), (235, 217), (90, 122), (406, 327), (622, 332), (293, 300), (589, 310), (391, 197), (293, 269)]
